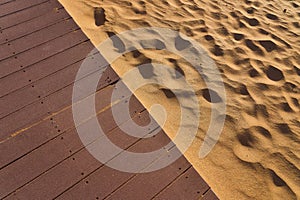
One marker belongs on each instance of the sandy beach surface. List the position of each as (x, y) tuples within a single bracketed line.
[(256, 47)]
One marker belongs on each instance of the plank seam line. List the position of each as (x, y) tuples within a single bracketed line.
[(43, 43), (6, 2), (23, 9), (58, 163), (137, 174), (52, 92), (100, 167), (17, 132), (204, 193), (39, 79), (26, 67), (47, 118), (43, 27), (42, 98), (171, 183), (59, 8)]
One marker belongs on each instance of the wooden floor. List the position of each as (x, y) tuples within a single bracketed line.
[(42, 156)]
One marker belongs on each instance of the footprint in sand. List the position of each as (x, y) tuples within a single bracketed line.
[(211, 96), (99, 16), (272, 16), (274, 74)]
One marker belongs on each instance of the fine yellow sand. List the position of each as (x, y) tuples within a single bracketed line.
[(256, 46)]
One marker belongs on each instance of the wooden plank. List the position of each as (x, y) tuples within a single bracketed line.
[(5, 1), (68, 172), (41, 69), (39, 110), (15, 6), (149, 184), (48, 128), (105, 181), (40, 86), (209, 195), (38, 134), (33, 25), (98, 186), (39, 53), (57, 150), (58, 178), (188, 186), (15, 47), (29, 13)]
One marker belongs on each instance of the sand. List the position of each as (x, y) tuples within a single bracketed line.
[(255, 45)]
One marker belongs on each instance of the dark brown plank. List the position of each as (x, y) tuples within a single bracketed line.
[(15, 6), (41, 69), (58, 178), (96, 187), (105, 181), (39, 110), (40, 86), (29, 13), (101, 184), (209, 195), (57, 150), (48, 128), (149, 184), (39, 53), (188, 186), (5, 1), (15, 47), (38, 134), (33, 25), (82, 161)]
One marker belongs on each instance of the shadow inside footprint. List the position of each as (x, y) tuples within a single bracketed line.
[(244, 90), (252, 21), (276, 179), (253, 73), (140, 12), (181, 44), (211, 96), (238, 36), (271, 16), (274, 74), (217, 50), (286, 107), (246, 139), (262, 31), (250, 44), (179, 72), (297, 70), (147, 71), (295, 5), (117, 42), (268, 45), (284, 128), (263, 131), (136, 53), (169, 94), (208, 37)]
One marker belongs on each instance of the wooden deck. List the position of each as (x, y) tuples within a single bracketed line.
[(42, 156)]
